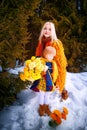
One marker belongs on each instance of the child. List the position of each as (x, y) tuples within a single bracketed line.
[(46, 84), (48, 37)]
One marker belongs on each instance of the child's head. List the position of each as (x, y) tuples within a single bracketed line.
[(49, 52), (48, 30)]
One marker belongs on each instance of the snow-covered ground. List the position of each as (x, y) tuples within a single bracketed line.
[(23, 114)]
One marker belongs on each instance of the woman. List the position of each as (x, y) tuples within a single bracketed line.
[(48, 37)]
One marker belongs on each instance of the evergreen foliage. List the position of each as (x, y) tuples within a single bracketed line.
[(14, 37), (13, 33), (10, 85)]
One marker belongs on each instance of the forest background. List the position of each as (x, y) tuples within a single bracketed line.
[(20, 25)]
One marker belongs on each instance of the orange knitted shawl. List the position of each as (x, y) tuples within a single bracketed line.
[(62, 63), (60, 60)]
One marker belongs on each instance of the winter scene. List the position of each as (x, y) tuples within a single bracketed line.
[(43, 64), (23, 114)]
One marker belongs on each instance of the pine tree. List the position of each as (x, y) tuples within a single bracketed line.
[(14, 38)]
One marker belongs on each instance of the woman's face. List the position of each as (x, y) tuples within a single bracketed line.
[(47, 30)]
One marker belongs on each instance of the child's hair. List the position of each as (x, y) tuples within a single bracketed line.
[(49, 50), (53, 31)]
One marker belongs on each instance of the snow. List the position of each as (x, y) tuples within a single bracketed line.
[(23, 113)]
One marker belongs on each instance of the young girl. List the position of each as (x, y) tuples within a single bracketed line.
[(48, 37), (46, 83)]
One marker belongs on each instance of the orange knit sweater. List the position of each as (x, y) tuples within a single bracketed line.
[(62, 63), (60, 60)]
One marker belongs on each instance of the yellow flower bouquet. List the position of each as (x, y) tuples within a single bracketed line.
[(33, 69)]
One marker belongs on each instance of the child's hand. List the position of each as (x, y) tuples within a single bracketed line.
[(45, 68)]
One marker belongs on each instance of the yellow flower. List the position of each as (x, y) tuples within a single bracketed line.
[(32, 65), (25, 69), (33, 58), (22, 77), (33, 69), (27, 62), (40, 67)]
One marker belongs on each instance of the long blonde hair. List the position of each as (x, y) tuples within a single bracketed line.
[(53, 31)]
